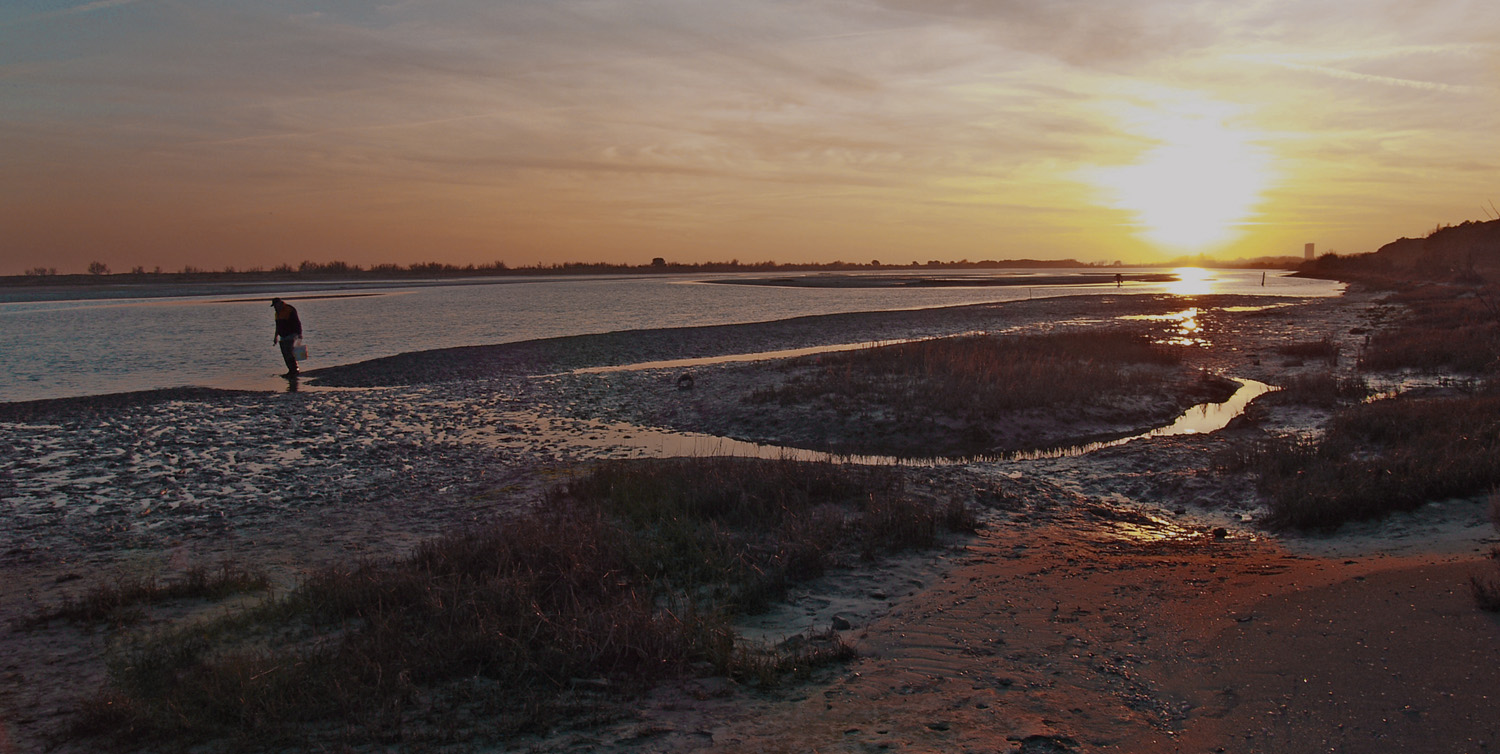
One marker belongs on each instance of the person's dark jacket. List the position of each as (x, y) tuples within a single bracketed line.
[(287, 323)]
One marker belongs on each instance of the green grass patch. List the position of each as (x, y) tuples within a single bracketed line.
[(626, 576)]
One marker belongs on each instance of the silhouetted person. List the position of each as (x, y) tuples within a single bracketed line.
[(288, 330)]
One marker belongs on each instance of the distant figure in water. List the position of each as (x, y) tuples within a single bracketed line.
[(288, 330), (1119, 280)]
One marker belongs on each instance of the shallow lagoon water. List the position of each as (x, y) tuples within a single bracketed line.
[(222, 338)]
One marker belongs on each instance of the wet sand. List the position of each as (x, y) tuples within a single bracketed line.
[(1096, 611)]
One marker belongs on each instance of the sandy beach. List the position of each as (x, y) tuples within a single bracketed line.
[(1120, 600)]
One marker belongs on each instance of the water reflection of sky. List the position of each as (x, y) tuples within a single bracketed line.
[(223, 339)]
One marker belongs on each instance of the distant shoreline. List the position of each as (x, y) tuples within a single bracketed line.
[(233, 291), (140, 284)]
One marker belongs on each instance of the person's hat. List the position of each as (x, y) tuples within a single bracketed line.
[(275, 302)]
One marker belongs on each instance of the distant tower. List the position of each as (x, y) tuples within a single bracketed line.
[(1307, 251)]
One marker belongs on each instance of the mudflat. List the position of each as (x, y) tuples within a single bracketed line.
[(1123, 599)]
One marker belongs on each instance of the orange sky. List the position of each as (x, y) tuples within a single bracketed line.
[(223, 134)]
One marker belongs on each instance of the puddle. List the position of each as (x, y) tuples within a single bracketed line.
[(733, 358), (1394, 386), (642, 442), (1200, 419), (759, 355), (1182, 316), (1189, 332), (1262, 308)]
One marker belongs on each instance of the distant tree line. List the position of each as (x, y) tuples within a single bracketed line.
[(98, 271)]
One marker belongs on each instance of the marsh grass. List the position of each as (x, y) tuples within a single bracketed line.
[(1326, 350), (743, 529), (626, 576), (1446, 329), (1378, 458), (1327, 389), (123, 598), (982, 375)]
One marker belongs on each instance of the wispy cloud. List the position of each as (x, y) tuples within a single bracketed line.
[(99, 5), (440, 123), (1340, 73)]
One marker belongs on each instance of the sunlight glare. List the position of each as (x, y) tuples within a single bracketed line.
[(1198, 185), (1189, 332), (1191, 281)]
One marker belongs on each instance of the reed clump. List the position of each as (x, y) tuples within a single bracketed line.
[(1325, 389), (980, 375), (1382, 457), (1445, 329), (1325, 349), (626, 576), (123, 598), (973, 395)]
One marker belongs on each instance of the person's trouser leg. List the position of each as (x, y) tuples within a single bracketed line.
[(286, 355)]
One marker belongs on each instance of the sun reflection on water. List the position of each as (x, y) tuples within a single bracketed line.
[(1189, 330), (1192, 281), (1150, 530)]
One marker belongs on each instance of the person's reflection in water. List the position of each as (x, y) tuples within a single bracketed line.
[(291, 384)]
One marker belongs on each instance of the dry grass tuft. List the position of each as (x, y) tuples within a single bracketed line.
[(1447, 329), (983, 376), (1382, 457), (973, 395), (1325, 389), (124, 598), (628, 575), (1326, 349)]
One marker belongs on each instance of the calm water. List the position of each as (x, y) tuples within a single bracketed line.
[(57, 349)]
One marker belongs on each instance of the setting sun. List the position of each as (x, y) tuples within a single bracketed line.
[(1197, 187)]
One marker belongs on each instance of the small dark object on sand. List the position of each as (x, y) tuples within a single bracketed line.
[(685, 382)]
